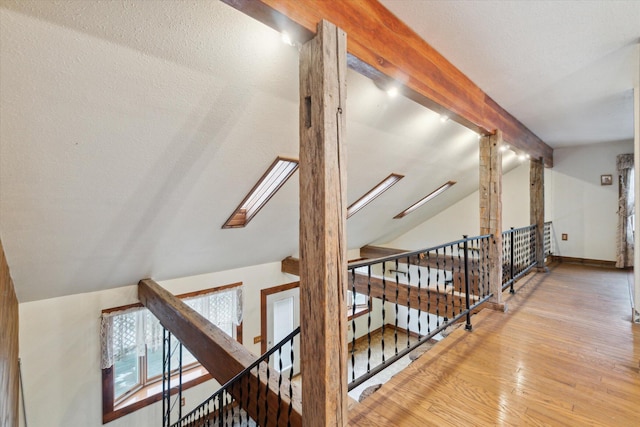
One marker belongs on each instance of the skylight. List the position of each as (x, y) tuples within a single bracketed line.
[(277, 174), (373, 193), (424, 200)]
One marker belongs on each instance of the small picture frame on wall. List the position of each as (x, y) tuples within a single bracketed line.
[(606, 180)]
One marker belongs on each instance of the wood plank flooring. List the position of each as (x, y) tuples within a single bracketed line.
[(565, 354)]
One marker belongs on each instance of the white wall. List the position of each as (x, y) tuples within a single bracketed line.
[(60, 348), (582, 208), (574, 200), (463, 217)]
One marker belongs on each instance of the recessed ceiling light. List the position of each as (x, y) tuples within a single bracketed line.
[(277, 174), (392, 92), (286, 39), (444, 118), (522, 157), (373, 193), (504, 147), (444, 187)]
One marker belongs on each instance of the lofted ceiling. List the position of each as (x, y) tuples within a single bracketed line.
[(131, 130), (565, 69)]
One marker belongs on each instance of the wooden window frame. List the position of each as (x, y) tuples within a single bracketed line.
[(112, 410)]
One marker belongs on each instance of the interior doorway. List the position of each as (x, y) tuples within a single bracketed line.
[(279, 316)]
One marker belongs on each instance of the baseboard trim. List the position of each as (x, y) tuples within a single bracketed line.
[(583, 261)]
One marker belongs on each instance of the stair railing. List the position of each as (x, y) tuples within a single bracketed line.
[(271, 370), (169, 348)]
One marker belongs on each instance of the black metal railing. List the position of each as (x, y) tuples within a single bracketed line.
[(518, 254), (243, 400), (548, 242), (411, 297), (171, 377)]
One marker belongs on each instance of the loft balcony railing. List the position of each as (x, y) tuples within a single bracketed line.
[(413, 296), (407, 299), (518, 254)]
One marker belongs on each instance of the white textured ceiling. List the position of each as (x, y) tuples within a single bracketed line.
[(566, 69), (130, 130)]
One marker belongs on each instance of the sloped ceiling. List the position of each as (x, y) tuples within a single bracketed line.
[(565, 69), (131, 130)]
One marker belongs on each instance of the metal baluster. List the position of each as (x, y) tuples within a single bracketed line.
[(220, 419), (180, 383), (419, 296), (512, 276), (258, 394), (353, 324), (534, 234), (408, 300), (240, 411), (428, 294), (437, 289), (446, 295), (164, 377), (487, 270), (395, 331), (369, 305), (291, 383), (266, 393), (460, 281), (169, 350), (384, 300), (279, 387), (466, 282), (248, 396)]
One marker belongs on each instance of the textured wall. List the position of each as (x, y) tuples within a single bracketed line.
[(8, 347)]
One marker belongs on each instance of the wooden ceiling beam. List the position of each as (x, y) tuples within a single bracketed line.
[(385, 49)]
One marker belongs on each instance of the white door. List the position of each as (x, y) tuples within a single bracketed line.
[(283, 316)]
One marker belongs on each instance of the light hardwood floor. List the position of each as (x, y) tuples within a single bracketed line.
[(565, 353)]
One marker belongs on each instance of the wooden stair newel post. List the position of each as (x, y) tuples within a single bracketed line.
[(536, 193), (323, 267), (491, 210)]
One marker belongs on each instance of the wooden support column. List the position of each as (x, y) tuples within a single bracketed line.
[(536, 207), (323, 266), (9, 362), (491, 210)]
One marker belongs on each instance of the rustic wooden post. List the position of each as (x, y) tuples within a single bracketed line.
[(491, 210), (323, 268), (536, 208)]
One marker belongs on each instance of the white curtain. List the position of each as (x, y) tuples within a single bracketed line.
[(121, 331), (626, 213)]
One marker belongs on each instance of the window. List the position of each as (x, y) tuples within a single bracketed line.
[(132, 347), (357, 304), (274, 178), (373, 193), (435, 193)]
